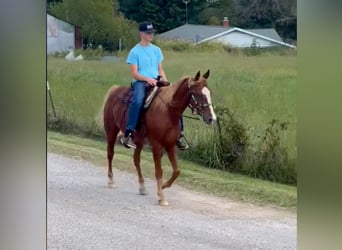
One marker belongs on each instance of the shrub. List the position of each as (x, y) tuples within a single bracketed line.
[(270, 160), (231, 139), (224, 148), (90, 54), (173, 45), (228, 148), (182, 46), (59, 54), (253, 50), (66, 123)]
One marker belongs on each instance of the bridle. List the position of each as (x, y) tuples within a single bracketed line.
[(197, 107)]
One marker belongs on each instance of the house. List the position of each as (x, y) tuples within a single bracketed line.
[(233, 36), (62, 35)]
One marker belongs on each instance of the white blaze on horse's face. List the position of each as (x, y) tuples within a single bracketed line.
[(206, 93)]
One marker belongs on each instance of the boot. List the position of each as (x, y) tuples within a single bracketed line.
[(182, 144), (127, 140)]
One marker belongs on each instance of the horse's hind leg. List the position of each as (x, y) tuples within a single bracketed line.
[(171, 152), (111, 138), (137, 152)]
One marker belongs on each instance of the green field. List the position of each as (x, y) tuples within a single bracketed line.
[(257, 89)]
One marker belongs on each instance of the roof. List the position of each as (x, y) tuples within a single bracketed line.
[(192, 33), (202, 33), (270, 33), (49, 14)]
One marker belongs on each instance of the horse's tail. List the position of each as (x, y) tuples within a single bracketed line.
[(100, 114)]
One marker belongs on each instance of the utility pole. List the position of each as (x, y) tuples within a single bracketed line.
[(186, 10), (67, 11)]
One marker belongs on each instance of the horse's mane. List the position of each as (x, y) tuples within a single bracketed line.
[(164, 98)]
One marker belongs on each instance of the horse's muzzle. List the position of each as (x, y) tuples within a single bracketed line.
[(209, 120)]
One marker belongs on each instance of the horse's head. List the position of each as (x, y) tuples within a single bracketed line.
[(200, 97)]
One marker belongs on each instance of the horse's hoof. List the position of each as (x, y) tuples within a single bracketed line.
[(112, 185), (163, 203), (143, 191)]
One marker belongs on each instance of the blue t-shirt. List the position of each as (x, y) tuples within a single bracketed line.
[(147, 58)]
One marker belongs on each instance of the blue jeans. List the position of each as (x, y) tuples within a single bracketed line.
[(139, 92)]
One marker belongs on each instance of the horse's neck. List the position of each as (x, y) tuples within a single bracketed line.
[(180, 98)]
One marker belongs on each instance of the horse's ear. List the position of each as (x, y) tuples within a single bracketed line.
[(197, 76), (206, 74)]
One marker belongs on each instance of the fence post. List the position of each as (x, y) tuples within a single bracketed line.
[(50, 95)]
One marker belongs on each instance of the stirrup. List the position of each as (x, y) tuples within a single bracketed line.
[(128, 141)]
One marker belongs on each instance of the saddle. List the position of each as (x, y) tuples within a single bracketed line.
[(151, 93)]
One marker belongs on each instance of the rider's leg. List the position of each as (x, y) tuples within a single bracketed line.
[(181, 123), (182, 143), (139, 90)]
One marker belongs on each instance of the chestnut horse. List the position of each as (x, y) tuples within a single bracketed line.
[(160, 124)]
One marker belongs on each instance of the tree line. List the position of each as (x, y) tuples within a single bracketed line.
[(114, 22)]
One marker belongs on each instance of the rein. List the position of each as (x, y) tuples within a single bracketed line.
[(198, 108)]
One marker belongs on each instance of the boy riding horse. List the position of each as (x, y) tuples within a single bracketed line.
[(145, 60)]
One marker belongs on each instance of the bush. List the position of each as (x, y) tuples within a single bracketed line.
[(66, 123), (270, 160), (90, 54), (276, 50), (224, 148), (59, 54), (253, 50), (173, 45), (228, 148), (182, 46), (231, 139)]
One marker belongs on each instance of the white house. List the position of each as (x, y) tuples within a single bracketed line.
[(233, 36)]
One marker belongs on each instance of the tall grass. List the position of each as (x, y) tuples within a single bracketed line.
[(256, 89)]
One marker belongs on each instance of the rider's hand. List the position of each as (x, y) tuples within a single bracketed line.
[(152, 81)]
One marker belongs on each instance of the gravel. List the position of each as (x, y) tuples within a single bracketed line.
[(84, 214)]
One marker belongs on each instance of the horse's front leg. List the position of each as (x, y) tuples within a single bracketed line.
[(157, 154), (171, 152)]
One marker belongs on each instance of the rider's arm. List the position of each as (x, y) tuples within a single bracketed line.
[(135, 74)]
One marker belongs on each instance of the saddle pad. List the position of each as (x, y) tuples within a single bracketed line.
[(150, 94), (127, 98)]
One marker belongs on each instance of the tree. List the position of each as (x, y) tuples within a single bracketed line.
[(215, 11), (278, 14), (163, 14), (166, 14), (53, 1), (100, 22)]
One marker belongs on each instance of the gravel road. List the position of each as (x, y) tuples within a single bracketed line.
[(84, 214)]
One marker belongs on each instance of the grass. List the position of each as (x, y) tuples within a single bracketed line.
[(193, 176)]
